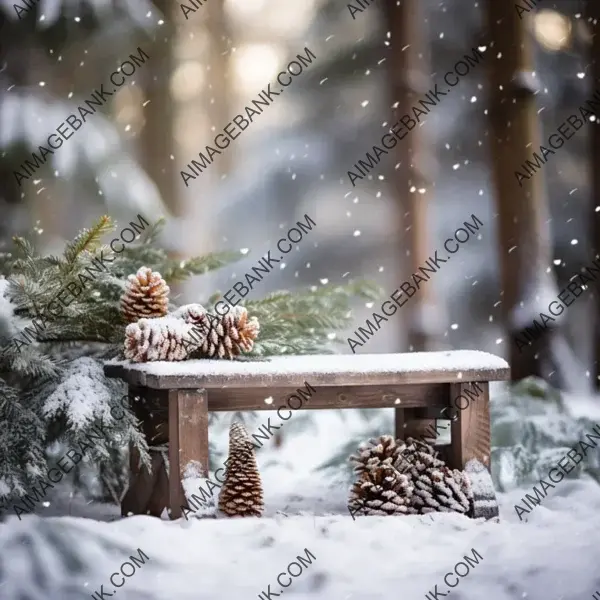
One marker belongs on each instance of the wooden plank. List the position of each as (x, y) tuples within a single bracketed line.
[(188, 440), (328, 397), (115, 370), (444, 453), (152, 412), (148, 493), (470, 432), (399, 423), (141, 481), (417, 425), (420, 423), (318, 370), (160, 494), (299, 379)]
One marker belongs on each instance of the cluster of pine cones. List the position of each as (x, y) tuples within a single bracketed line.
[(406, 478), (395, 478), (189, 332)]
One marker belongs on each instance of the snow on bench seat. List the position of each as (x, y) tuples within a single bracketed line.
[(329, 369)]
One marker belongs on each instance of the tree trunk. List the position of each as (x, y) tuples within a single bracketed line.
[(218, 107), (203, 49), (411, 183), (156, 142), (14, 70), (593, 14), (527, 279)]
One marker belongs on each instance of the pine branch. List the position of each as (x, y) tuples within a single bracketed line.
[(151, 236), (305, 323), (299, 322), (181, 270), (23, 248), (88, 240)]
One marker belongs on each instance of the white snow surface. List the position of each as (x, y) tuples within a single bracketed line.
[(553, 556), (329, 366), (193, 480)]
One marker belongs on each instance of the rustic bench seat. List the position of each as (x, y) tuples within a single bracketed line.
[(176, 398)]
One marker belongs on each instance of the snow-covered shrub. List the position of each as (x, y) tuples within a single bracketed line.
[(532, 429)]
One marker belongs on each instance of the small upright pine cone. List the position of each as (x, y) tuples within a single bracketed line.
[(242, 494), (383, 450), (146, 295), (381, 491), (165, 338), (437, 488), (227, 336)]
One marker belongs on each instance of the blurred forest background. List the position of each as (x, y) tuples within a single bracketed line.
[(294, 159)]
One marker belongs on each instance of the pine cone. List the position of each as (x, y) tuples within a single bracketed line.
[(383, 450), (146, 295), (191, 313), (382, 491), (225, 336), (242, 494), (158, 339), (416, 454), (437, 488)]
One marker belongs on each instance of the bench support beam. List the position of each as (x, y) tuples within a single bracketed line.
[(417, 424), (148, 490), (188, 440), (470, 432), (179, 417)]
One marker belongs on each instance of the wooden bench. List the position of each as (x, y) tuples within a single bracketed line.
[(176, 397)]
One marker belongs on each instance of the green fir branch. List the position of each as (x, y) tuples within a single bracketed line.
[(299, 322), (88, 240), (24, 249), (175, 270), (305, 323), (150, 237)]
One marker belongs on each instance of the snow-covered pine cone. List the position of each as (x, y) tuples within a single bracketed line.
[(418, 454), (165, 338), (381, 491), (437, 488), (242, 494), (442, 490), (196, 315), (191, 313), (383, 450), (146, 295), (230, 335)]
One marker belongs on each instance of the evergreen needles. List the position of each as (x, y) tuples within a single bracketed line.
[(49, 358), (305, 323)]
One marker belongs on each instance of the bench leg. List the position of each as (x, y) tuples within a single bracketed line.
[(141, 486), (470, 433), (399, 423), (414, 423), (148, 491), (188, 440)]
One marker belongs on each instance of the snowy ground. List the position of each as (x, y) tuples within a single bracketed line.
[(554, 555)]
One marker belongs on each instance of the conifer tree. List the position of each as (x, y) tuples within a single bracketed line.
[(52, 385)]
